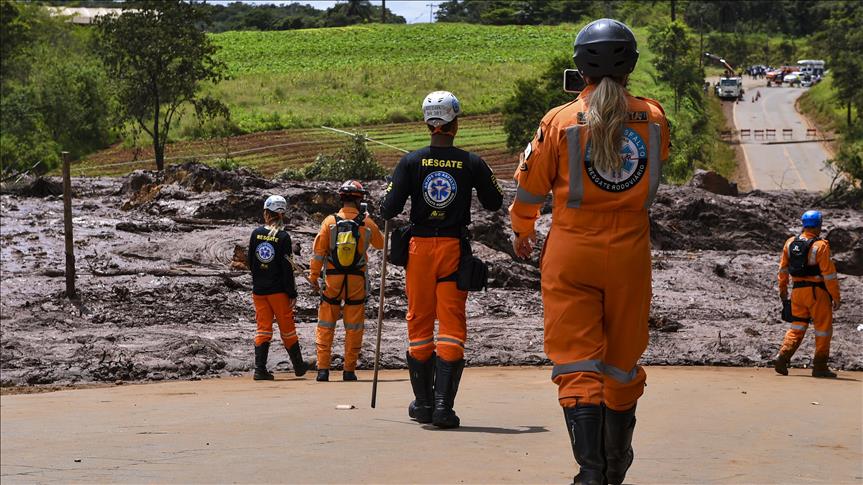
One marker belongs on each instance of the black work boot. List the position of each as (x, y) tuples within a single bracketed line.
[(296, 355), (820, 369), (349, 375), (584, 423), (261, 372), (619, 426), (422, 381), (447, 378), (323, 375), (781, 364)]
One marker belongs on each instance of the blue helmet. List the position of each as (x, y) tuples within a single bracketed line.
[(811, 219)]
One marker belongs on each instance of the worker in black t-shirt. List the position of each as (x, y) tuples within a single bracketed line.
[(273, 288)]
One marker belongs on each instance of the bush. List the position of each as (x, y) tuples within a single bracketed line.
[(353, 161), (226, 164)]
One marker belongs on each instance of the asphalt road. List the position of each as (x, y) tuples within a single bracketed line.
[(703, 425), (780, 165)]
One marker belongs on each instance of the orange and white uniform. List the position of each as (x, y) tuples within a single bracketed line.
[(595, 265), (812, 297), (343, 292)]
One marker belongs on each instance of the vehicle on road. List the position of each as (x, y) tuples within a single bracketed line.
[(814, 67), (730, 85)]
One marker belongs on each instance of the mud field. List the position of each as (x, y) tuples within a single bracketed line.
[(164, 295)]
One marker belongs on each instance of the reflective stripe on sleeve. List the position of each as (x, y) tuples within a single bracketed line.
[(812, 255), (332, 238), (831, 276), (325, 324), (523, 195), (573, 144), (655, 165)]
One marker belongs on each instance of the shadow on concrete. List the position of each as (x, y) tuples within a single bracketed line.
[(492, 429)]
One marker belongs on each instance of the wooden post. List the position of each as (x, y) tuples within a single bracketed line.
[(67, 228)]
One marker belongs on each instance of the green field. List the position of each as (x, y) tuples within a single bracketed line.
[(376, 73)]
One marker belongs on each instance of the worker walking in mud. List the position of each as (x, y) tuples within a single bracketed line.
[(274, 290), (814, 294), (340, 256), (439, 180), (601, 157)]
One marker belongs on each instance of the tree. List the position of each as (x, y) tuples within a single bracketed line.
[(676, 60), (842, 41), (157, 56)]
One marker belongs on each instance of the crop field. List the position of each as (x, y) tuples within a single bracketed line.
[(374, 74), (273, 151)]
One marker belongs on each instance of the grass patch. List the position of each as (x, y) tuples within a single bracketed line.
[(820, 104)]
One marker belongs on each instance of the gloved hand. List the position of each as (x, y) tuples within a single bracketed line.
[(316, 286)]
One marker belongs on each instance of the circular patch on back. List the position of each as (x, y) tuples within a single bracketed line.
[(265, 252), (633, 152), (439, 189)]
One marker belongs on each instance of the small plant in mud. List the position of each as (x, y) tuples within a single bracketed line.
[(226, 164), (353, 160)]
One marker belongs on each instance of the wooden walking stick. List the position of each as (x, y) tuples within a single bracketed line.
[(381, 312)]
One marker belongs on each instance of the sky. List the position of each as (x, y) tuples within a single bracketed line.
[(414, 11)]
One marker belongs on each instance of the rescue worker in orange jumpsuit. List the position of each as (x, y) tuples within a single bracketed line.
[(814, 294), (340, 254), (274, 290), (601, 157), (439, 180)]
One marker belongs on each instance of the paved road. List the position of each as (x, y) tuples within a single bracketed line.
[(695, 425), (785, 165)]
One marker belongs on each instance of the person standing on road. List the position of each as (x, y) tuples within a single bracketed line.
[(274, 290), (814, 295), (340, 254), (601, 156), (439, 180)]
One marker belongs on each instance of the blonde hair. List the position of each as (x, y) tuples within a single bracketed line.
[(273, 221), (606, 116)]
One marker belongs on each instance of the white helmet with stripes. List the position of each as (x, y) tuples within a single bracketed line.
[(276, 203)]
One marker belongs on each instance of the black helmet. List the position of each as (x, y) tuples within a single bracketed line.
[(605, 47)]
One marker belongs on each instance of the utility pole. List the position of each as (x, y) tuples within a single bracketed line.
[(383, 11), (67, 227), (431, 7)]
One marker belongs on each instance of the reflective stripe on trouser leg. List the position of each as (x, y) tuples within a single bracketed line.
[(263, 319), (354, 325), (450, 308), (328, 315), (420, 282), (284, 313), (822, 322)]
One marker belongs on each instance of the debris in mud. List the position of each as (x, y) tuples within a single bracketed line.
[(167, 293), (712, 182), (35, 187), (663, 323)]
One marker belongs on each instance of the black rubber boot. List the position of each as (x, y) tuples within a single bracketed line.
[(447, 378), (296, 355), (584, 424), (820, 369), (619, 426), (781, 364), (261, 373), (422, 381), (323, 375), (349, 375)]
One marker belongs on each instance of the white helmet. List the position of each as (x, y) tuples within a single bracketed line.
[(440, 107), (276, 203)]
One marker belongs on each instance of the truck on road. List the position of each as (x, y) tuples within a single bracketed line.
[(730, 85)]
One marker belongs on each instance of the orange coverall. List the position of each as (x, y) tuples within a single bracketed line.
[(277, 305), (352, 292), (595, 264), (810, 303)]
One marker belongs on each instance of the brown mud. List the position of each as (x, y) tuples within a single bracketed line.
[(164, 295)]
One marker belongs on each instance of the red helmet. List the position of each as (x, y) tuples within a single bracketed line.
[(352, 189)]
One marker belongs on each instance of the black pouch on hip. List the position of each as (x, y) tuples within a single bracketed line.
[(786, 311), (400, 239), (472, 272)]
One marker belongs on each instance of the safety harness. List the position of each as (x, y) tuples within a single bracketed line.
[(345, 254)]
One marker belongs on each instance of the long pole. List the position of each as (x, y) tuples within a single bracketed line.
[(67, 227), (381, 312)]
